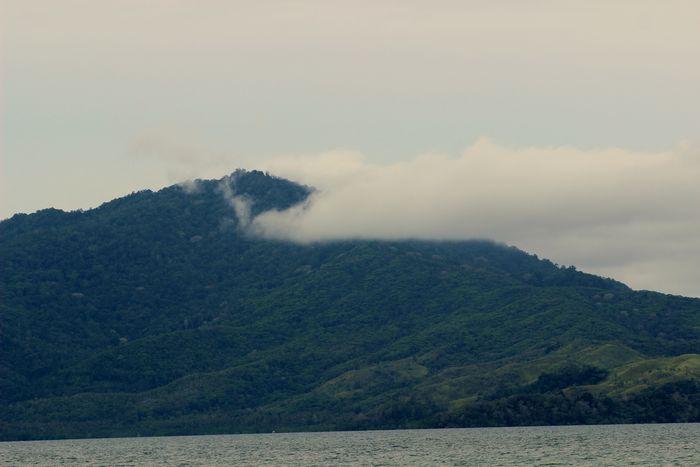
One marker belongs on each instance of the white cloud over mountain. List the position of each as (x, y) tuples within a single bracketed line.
[(633, 216)]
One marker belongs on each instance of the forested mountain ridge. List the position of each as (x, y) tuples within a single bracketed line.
[(159, 313)]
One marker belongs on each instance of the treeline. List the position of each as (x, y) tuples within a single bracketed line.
[(677, 402)]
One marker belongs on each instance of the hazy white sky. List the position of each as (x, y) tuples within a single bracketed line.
[(100, 98)]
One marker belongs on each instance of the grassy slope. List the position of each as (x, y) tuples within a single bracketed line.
[(642, 374)]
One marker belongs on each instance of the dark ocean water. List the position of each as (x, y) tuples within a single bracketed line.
[(671, 444)]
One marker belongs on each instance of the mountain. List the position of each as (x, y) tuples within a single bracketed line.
[(160, 313)]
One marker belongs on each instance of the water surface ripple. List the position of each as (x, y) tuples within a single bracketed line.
[(663, 444)]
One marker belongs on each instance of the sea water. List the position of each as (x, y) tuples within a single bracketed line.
[(662, 444)]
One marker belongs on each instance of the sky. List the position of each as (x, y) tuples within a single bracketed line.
[(570, 129)]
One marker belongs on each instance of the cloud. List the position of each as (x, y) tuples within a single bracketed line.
[(241, 205), (630, 215)]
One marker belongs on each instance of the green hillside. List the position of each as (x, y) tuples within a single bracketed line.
[(158, 313)]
